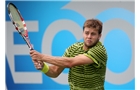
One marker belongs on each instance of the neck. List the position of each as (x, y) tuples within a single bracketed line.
[(85, 47)]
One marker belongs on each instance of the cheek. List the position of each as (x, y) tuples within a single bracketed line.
[(95, 38)]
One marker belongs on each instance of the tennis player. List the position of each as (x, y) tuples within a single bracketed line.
[(87, 60)]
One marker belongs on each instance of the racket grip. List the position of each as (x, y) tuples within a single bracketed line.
[(31, 47)]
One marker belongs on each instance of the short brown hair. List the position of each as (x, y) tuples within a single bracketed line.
[(93, 23)]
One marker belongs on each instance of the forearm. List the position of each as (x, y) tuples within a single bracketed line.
[(54, 71), (58, 61)]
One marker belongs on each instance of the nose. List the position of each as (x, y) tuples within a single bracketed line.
[(89, 36)]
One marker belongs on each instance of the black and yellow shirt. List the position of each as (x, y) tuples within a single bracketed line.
[(89, 76)]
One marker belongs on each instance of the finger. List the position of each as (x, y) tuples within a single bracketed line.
[(32, 52), (38, 63), (34, 61), (38, 67)]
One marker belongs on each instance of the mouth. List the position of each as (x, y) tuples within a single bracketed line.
[(88, 40)]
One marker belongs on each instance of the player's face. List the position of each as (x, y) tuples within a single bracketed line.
[(91, 37)]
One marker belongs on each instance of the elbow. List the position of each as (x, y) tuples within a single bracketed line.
[(54, 76)]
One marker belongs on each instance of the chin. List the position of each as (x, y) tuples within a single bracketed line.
[(89, 45)]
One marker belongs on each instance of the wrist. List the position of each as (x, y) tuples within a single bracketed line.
[(45, 68)]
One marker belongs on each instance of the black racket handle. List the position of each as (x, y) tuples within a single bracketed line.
[(31, 49)]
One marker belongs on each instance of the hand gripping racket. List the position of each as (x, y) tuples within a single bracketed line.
[(19, 23)]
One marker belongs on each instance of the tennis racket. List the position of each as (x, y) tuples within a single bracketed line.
[(19, 23)]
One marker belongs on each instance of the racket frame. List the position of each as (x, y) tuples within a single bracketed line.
[(25, 35)]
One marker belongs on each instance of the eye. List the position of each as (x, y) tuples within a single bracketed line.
[(93, 34), (86, 33)]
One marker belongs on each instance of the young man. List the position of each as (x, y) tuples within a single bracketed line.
[(86, 60)]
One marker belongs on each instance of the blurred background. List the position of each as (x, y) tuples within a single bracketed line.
[(55, 25)]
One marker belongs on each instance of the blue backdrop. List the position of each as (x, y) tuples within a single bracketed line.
[(46, 12)]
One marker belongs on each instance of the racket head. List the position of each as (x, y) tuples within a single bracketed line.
[(19, 23)]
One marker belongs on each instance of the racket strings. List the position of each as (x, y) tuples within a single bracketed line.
[(18, 23)]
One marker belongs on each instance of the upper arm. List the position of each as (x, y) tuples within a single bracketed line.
[(77, 60), (80, 60), (96, 55)]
